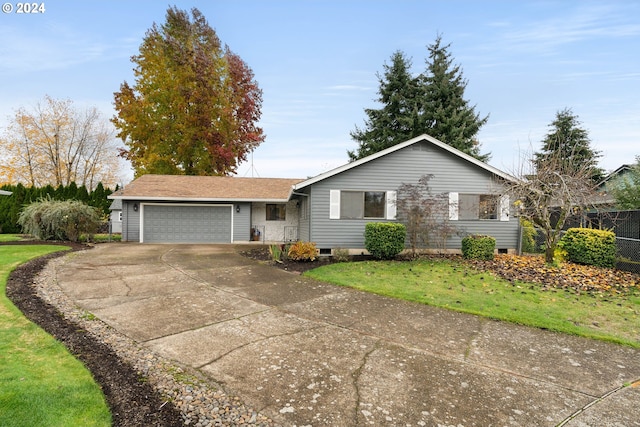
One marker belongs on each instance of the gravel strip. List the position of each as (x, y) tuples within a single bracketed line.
[(201, 403)]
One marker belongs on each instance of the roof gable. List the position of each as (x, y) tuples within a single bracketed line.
[(206, 188), (421, 138)]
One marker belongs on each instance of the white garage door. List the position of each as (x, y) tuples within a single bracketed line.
[(186, 224)]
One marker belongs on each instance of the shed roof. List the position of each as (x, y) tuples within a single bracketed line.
[(206, 188)]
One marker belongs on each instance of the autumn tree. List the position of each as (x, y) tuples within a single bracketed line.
[(432, 102), (569, 141), (58, 144), (194, 105)]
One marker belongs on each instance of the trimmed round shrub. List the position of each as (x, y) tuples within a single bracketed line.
[(590, 247), (384, 240), (475, 246), (49, 219)]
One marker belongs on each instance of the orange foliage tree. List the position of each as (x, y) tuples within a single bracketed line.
[(194, 105), (57, 144)]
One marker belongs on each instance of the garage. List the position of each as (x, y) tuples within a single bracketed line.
[(163, 223)]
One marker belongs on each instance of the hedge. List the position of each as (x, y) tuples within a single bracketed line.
[(476, 246), (590, 247), (384, 240)]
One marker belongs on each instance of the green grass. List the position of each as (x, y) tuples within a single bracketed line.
[(41, 383), (452, 285), (10, 237)]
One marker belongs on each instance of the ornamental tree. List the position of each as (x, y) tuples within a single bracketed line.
[(194, 106)]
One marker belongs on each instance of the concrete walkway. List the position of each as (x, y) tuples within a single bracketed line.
[(308, 353)]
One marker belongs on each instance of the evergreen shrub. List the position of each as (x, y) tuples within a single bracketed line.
[(384, 240), (590, 247), (476, 246)]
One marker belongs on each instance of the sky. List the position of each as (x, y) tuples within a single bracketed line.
[(317, 64)]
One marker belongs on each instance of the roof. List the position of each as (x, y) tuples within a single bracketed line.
[(206, 188), (618, 172), (417, 139)]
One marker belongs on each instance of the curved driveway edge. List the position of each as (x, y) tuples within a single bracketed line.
[(308, 353)]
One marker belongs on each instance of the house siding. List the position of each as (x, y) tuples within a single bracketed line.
[(130, 222), (387, 173)]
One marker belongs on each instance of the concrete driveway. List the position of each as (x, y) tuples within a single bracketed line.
[(309, 353)]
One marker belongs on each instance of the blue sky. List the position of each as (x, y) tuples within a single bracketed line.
[(316, 62)]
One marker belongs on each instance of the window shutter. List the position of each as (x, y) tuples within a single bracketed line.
[(504, 207), (334, 204), (453, 206), (391, 205)]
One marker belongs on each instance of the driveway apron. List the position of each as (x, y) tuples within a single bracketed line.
[(308, 353)]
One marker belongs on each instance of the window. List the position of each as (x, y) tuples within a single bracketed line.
[(362, 204), (478, 206), (276, 212)]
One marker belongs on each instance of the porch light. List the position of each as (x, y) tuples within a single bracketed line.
[(237, 208), (135, 207)]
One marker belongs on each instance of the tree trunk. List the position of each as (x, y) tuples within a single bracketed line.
[(548, 254)]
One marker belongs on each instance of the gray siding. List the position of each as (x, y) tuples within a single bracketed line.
[(242, 223), (304, 220), (130, 222), (387, 173)]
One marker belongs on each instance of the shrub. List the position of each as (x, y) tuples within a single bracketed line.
[(49, 219), (476, 246), (529, 234), (384, 240), (341, 255), (590, 247), (276, 252), (303, 251)]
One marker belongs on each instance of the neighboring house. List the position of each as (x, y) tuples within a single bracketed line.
[(605, 197), (330, 209)]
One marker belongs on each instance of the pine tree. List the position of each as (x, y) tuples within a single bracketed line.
[(431, 103), (568, 139), (396, 121), (447, 115)]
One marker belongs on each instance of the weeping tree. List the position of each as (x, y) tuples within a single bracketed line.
[(49, 219)]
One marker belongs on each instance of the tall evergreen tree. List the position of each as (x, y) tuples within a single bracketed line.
[(571, 142), (447, 115), (397, 120), (431, 103)]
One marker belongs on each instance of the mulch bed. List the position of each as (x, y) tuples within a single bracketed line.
[(132, 402)]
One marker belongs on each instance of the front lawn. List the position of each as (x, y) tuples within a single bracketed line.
[(42, 383), (610, 312)]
